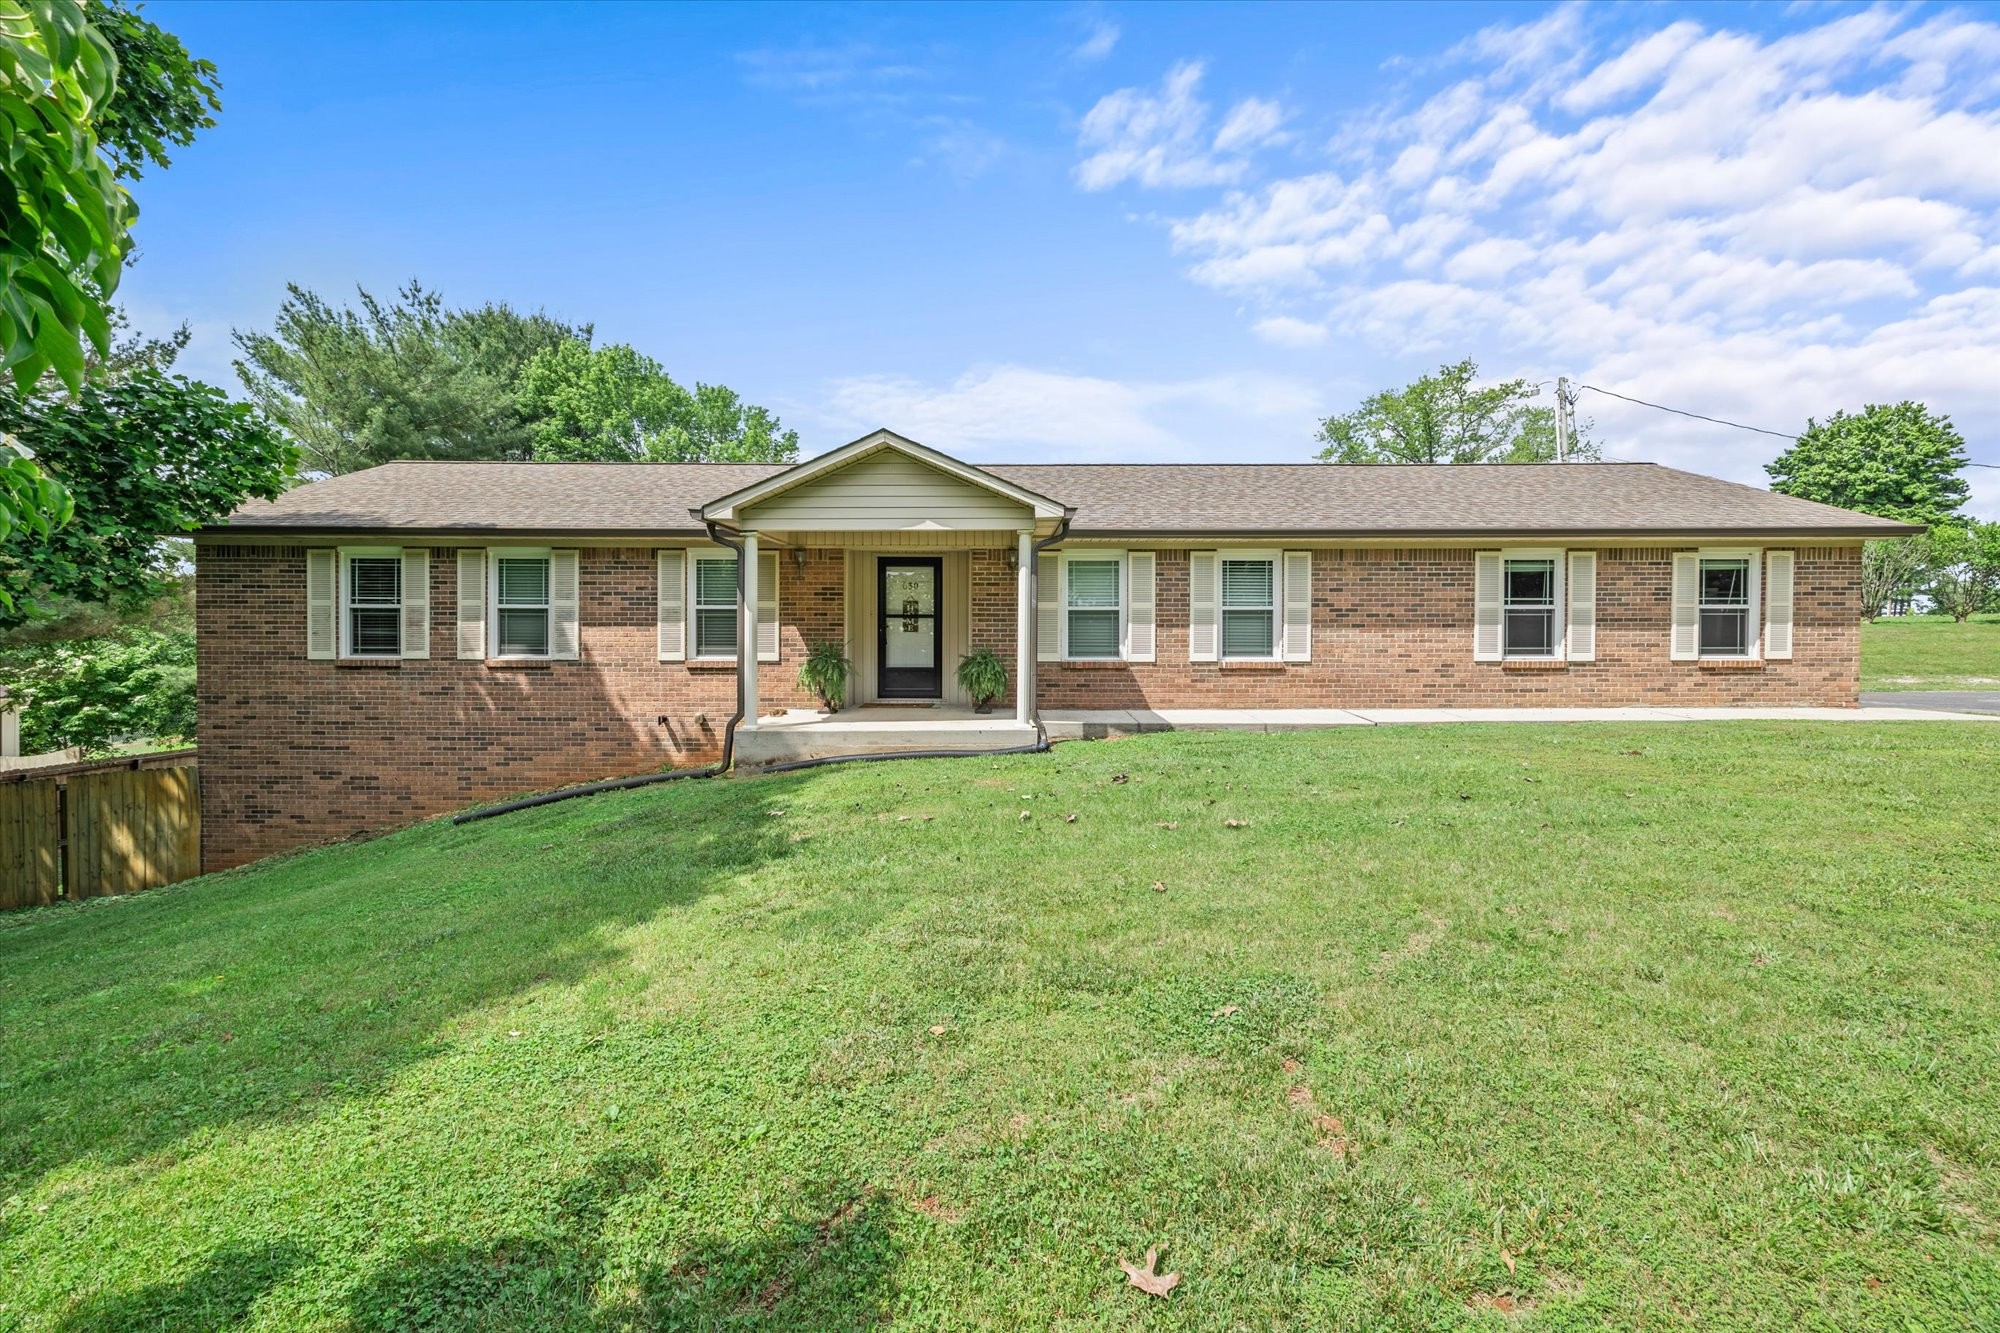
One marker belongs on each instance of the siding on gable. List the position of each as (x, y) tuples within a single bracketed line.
[(887, 492)]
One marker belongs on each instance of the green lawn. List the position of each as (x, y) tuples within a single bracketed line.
[(1931, 653), (1661, 1027)]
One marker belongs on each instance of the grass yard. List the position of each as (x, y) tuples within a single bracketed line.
[(1931, 653), (1668, 1027)]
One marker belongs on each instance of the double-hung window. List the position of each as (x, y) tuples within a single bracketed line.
[(1249, 605), (1725, 607), (520, 604), (372, 598), (1093, 607), (1528, 600), (714, 583)]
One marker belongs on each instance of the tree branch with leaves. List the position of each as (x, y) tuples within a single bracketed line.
[(1448, 417)]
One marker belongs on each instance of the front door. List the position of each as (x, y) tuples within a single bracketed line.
[(912, 666)]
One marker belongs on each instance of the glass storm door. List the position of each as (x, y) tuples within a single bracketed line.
[(911, 661)]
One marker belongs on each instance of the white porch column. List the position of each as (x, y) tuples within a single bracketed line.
[(746, 633), (1024, 630)]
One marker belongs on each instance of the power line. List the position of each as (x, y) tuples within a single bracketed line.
[(1658, 407), (1719, 421)]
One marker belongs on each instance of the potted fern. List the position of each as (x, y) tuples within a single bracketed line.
[(982, 675), (825, 674)]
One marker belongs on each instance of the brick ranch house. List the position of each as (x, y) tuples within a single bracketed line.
[(391, 644)]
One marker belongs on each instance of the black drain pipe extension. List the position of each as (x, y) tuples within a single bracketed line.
[(644, 779)]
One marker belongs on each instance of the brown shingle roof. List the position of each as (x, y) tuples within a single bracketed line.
[(1194, 499)]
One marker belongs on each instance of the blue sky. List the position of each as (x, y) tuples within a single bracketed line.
[(1142, 233)]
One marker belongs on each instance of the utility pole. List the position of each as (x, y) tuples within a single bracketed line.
[(1562, 418)]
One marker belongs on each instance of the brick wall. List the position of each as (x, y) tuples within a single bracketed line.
[(1393, 629), (297, 751)]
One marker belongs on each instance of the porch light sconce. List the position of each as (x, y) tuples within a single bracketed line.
[(799, 556), (1013, 559)]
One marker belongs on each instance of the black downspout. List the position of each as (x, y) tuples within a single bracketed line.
[(729, 732), (1035, 614)]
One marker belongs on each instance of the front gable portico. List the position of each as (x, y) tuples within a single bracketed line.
[(903, 517)]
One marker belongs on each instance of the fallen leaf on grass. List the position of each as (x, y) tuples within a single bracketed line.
[(1145, 1279), (939, 1029), (1025, 816), (1069, 819), (1159, 886), (1226, 1010), (1117, 779), (1507, 1258), (1236, 823)]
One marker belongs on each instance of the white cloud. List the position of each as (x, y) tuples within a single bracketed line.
[(1160, 139), (1285, 331), (1098, 45), (1760, 227), (1251, 123), (1022, 414)]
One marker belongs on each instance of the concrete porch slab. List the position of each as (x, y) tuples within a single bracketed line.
[(802, 734)]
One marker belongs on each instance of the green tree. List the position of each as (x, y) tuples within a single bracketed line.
[(1964, 568), (402, 379), (1892, 571), (162, 95), (136, 682), (147, 456), (64, 219), (1901, 461), (611, 404), (1447, 418)]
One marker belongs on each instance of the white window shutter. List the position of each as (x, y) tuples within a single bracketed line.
[(472, 603), (1778, 605), (767, 606), (322, 603), (1298, 606), (1139, 606), (416, 603), (1686, 642), (565, 644), (1756, 605), (1583, 606), (1048, 607), (1203, 640), (672, 599), (1487, 644)]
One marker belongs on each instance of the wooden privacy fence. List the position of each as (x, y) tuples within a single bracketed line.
[(91, 829)]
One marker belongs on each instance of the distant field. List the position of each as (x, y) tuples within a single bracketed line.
[(1420, 1028), (1931, 653)]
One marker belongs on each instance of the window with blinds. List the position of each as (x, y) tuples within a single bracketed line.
[(1725, 608), (521, 605), (375, 606), (715, 606), (1093, 608), (1249, 607), (1529, 590)]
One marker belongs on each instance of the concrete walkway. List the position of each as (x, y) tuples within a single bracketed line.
[(1956, 701), (1087, 723)]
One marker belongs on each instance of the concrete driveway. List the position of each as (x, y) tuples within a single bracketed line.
[(1948, 701)]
